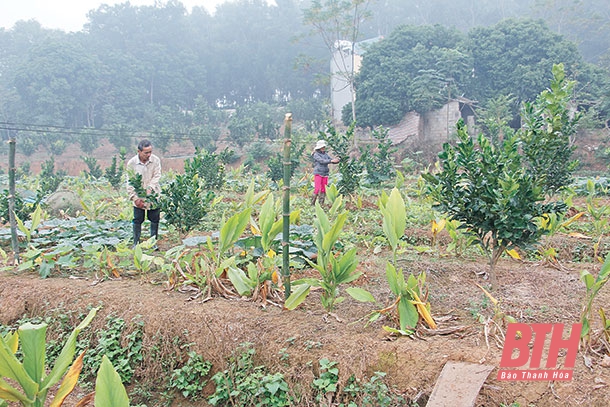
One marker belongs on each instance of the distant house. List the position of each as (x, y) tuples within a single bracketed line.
[(435, 126), (341, 69), (432, 127)]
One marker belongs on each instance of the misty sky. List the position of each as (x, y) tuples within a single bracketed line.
[(70, 15)]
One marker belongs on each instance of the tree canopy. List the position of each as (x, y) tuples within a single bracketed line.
[(419, 68), (151, 67)]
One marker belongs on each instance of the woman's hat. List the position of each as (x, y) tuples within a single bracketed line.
[(320, 144)]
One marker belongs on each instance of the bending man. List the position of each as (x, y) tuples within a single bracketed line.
[(148, 165)]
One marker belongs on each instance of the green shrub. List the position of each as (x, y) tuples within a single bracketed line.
[(95, 171), (49, 179), (114, 173), (190, 379), (244, 384), (185, 202), (124, 350)]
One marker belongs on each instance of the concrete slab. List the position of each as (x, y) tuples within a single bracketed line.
[(459, 384)]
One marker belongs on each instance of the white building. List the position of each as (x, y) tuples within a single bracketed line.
[(344, 65)]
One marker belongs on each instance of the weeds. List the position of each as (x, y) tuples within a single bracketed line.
[(326, 384), (372, 393), (243, 383), (123, 349), (190, 379)]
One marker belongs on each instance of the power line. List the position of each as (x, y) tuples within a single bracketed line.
[(63, 130), (53, 129)]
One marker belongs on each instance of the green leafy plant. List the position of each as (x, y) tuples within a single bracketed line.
[(209, 166), (109, 389), (94, 169), (371, 393), (190, 379), (488, 190), (596, 210), (185, 202), (592, 285), (262, 278), (143, 262), (350, 167), (335, 199), (335, 269), (553, 223), (410, 295), (275, 163), (202, 267), (243, 383), (135, 180), (461, 240), (28, 230), (123, 349), (325, 385), (549, 125), (48, 260), (377, 160), (114, 173), (30, 373), (93, 209), (23, 210), (49, 179)]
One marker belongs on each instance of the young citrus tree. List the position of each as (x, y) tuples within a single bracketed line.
[(489, 190), (548, 128)]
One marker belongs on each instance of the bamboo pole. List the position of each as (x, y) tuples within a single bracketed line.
[(286, 206), (11, 198)]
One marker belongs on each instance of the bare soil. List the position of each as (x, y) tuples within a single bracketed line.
[(530, 292)]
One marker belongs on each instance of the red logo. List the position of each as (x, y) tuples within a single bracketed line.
[(523, 337)]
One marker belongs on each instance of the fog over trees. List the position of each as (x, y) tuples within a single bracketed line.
[(167, 69)]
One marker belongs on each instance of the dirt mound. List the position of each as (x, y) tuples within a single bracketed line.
[(292, 342)]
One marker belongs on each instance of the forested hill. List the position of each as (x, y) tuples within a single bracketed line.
[(168, 68)]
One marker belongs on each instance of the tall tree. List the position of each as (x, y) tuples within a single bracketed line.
[(515, 57), (57, 82), (338, 23), (416, 68)]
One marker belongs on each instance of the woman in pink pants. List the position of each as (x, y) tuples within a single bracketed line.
[(321, 159)]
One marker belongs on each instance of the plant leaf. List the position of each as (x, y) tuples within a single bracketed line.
[(70, 380), (360, 294), (109, 390), (32, 338), (407, 314), (9, 393), (11, 368), (64, 360), (297, 297), (240, 281)]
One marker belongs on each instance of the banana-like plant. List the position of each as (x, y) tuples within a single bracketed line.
[(144, 262), (28, 231), (552, 223), (593, 285), (262, 278), (216, 259), (335, 269), (31, 373), (409, 294)]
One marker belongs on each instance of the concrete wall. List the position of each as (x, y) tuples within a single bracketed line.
[(440, 124), (433, 127)]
